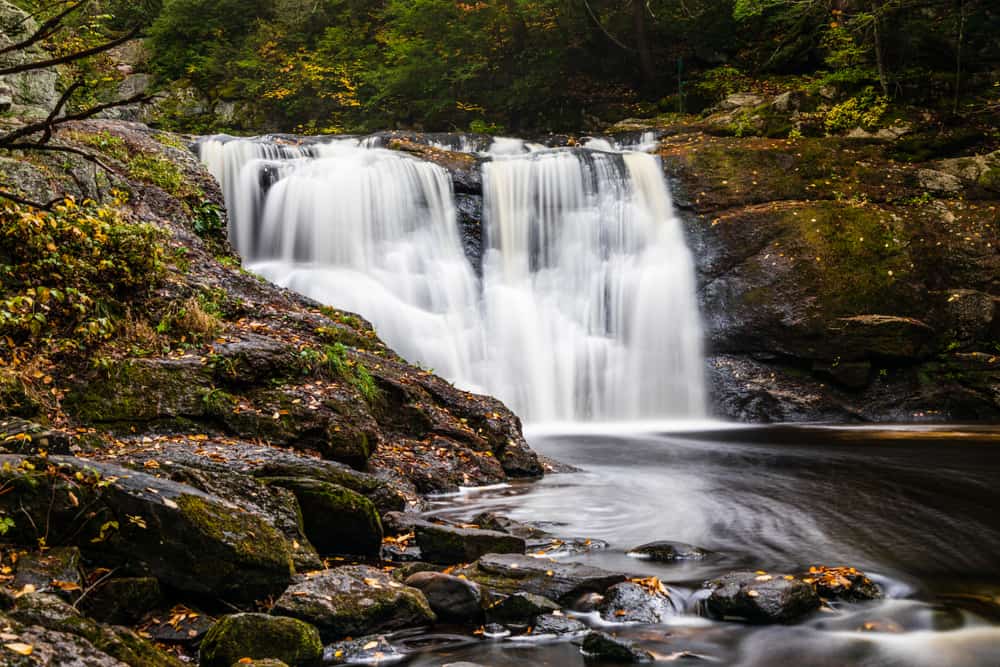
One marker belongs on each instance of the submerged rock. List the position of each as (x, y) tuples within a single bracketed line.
[(761, 598), (666, 552), (354, 600), (602, 646), (562, 582), (451, 544), (371, 650), (451, 598), (500, 523), (259, 636)]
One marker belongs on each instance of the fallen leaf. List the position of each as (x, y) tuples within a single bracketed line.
[(19, 648)]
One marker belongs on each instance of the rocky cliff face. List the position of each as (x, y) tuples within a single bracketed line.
[(838, 282)]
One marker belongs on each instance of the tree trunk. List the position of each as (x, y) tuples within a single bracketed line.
[(642, 42), (883, 78), (958, 53)]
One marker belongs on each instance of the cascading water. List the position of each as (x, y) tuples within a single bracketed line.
[(585, 309)]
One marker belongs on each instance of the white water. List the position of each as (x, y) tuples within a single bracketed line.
[(585, 309)]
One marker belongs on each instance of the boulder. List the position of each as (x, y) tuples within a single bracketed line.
[(557, 625), (123, 600), (354, 600), (336, 519), (49, 647), (258, 636), (399, 523), (602, 646), (192, 541), (184, 627), (450, 544), (53, 614), (760, 598), (562, 582), (499, 523), (631, 602), (520, 609), (667, 552), (451, 598)]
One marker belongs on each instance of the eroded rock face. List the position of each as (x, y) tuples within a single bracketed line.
[(354, 600), (28, 94)]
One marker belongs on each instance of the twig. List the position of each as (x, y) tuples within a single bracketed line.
[(46, 30), (6, 141), (27, 202), (94, 585), (72, 57)]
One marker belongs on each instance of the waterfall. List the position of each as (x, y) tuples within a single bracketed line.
[(585, 308)]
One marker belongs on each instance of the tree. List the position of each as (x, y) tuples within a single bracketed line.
[(38, 135)]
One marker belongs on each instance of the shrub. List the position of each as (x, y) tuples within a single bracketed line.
[(864, 110), (67, 273)]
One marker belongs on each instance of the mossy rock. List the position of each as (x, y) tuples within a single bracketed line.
[(336, 519), (123, 600), (54, 614), (260, 636), (354, 600)]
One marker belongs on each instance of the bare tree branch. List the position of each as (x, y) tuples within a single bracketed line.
[(72, 57), (7, 140), (45, 30), (9, 196)]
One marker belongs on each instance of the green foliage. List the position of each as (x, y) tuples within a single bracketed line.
[(864, 110), (157, 170), (719, 82), (208, 221), (69, 273)]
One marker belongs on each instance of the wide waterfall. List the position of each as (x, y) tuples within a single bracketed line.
[(585, 308)]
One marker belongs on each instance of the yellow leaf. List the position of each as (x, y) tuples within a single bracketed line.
[(752, 594), (20, 649), (369, 646)]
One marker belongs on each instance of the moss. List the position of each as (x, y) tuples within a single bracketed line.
[(159, 171), (253, 540), (260, 636), (335, 519)]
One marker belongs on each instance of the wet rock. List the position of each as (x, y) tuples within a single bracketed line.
[(372, 650), (562, 582), (354, 600), (399, 523), (20, 436), (52, 613), (520, 608), (760, 598), (666, 552), (451, 598), (123, 600), (260, 636), (603, 646), (499, 523), (558, 625), (266, 662), (180, 625), (336, 519), (842, 583), (50, 647), (189, 540), (450, 544), (56, 570), (495, 631), (633, 603)]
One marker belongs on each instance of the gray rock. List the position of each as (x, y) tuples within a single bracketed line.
[(352, 601), (939, 181), (562, 582), (760, 598), (741, 100), (123, 600), (603, 646), (449, 544), (451, 598), (632, 603), (558, 625), (56, 570)]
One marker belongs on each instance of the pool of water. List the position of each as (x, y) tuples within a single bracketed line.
[(918, 509)]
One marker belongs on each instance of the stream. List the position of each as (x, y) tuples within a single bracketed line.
[(914, 508)]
